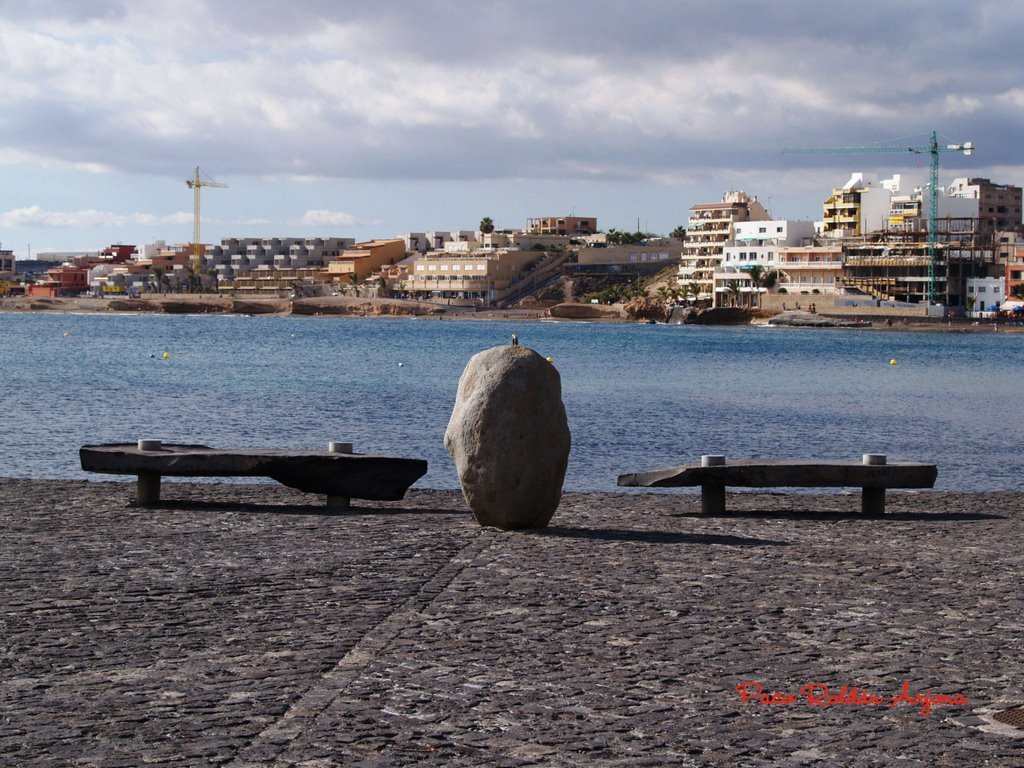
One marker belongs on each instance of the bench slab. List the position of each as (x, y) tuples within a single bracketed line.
[(873, 479), (338, 475), (792, 473)]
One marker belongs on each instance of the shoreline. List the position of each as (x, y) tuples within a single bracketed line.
[(345, 306), (243, 624)]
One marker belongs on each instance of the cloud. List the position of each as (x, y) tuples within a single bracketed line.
[(580, 89), (36, 216), (323, 218)]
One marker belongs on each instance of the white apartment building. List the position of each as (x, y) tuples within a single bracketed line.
[(755, 244), (709, 230)]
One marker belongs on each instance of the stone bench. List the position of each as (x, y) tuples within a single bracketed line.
[(713, 474), (337, 472)]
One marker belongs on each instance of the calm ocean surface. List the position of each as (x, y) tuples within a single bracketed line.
[(639, 397)]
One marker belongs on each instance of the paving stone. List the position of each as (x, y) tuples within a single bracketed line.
[(253, 629)]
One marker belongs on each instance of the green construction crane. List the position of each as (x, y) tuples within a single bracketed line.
[(933, 149)]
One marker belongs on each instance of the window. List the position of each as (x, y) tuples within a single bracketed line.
[(432, 268), (444, 267)]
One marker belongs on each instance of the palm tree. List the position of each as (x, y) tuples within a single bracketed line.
[(486, 225), (214, 278), (733, 287), (158, 277), (191, 277), (694, 288), (756, 272), (679, 233)]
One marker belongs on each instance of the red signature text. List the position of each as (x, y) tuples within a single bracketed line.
[(822, 695)]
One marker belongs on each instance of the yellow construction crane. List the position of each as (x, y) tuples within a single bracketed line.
[(195, 185)]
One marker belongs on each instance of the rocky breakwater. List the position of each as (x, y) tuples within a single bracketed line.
[(569, 311), (509, 438), (803, 319), (360, 307)]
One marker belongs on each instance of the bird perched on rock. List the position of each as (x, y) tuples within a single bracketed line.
[(515, 340)]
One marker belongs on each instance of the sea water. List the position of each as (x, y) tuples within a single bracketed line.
[(638, 397)]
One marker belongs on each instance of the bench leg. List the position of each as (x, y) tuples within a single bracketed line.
[(872, 501), (712, 499), (147, 489), (338, 502)]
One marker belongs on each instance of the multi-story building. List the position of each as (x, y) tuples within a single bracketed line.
[(860, 206), (810, 269), (272, 281), (999, 205), (708, 231), (436, 240), (66, 280), (1015, 272), (755, 247), (7, 268), (357, 263), (481, 276), (896, 266), (562, 225), (640, 259)]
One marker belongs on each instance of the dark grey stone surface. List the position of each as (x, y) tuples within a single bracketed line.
[(257, 629), (360, 476)]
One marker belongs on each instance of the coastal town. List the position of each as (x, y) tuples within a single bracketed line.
[(878, 249)]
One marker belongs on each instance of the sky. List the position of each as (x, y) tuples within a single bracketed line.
[(371, 119)]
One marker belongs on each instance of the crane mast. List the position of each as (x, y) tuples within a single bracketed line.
[(195, 184), (933, 149)]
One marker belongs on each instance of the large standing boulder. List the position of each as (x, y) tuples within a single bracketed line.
[(509, 437)]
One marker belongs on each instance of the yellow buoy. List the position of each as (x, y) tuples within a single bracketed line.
[(167, 355), (66, 334), (893, 361), (551, 360)]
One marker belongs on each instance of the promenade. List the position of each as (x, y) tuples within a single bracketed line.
[(242, 625)]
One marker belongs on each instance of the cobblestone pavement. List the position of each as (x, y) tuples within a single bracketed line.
[(248, 627)]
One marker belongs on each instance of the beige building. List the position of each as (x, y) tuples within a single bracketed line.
[(810, 268), (271, 281), (628, 258), (482, 276), (708, 231), (357, 263), (562, 225)]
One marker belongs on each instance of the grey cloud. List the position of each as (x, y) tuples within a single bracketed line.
[(62, 10), (898, 65)]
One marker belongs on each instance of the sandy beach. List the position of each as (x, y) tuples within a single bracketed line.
[(242, 625)]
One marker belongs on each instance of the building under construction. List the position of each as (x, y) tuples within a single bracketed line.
[(893, 265)]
